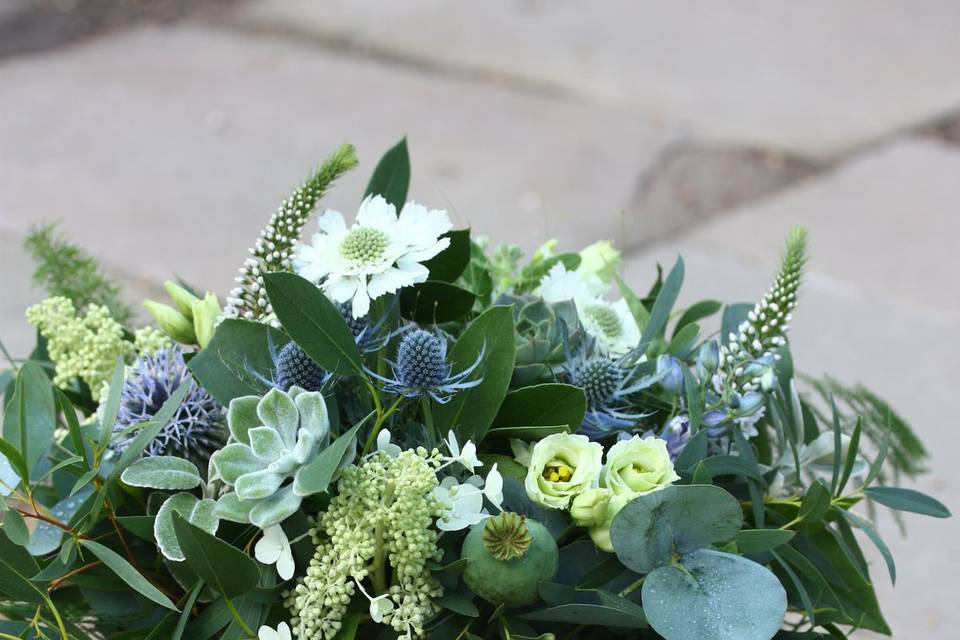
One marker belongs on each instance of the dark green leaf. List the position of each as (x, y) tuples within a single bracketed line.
[(15, 528), (543, 404), (757, 540), (457, 603), (127, 573), (470, 412), (30, 417), (391, 177), (222, 566), (728, 465), (73, 426), (851, 460), (112, 405), (878, 542), (693, 452), (529, 434), (17, 566), (908, 500), (696, 313), (314, 323), (316, 476), (815, 503), (434, 302), (238, 348), (660, 312), (449, 264), (650, 529)]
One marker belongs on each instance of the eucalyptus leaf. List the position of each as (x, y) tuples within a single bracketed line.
[(15, 528), (714, 596), (17, 567), (757, 540), (315, 476), (30, 417), (651, 529), (127, 573), (908, 500), (660, 313)]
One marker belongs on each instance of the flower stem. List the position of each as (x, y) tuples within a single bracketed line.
[(236, 616)]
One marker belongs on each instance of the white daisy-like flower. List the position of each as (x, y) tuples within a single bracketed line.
[(560, 285), (380, 254), (274, 548), (282, 632), (610, 323)]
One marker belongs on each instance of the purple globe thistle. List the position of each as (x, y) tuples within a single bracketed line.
[(422, 369), (196, 429)]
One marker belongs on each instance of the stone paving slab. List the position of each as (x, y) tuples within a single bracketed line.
[(879, 307), (813, 77), (166, 150)]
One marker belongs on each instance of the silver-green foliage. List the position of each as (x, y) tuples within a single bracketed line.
[(272, 439)]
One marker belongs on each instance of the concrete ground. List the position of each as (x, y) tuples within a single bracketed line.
[(162, 135)]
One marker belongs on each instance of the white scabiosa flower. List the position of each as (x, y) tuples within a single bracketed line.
[(610, 323), (380, 254), (560, 285)]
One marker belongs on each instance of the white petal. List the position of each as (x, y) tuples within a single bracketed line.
[(388, 282), (452, 444), (270, 546), (416, 271), (361, 301), (375, 211), (285, 564), (332, 223), (428, 251), (340, 289), (493, 488), (422, 227)]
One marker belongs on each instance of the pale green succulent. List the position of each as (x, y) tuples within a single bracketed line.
[(273, 439), (540, 350)]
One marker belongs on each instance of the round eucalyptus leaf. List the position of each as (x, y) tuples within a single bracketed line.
[(714, 596), (651, 529)]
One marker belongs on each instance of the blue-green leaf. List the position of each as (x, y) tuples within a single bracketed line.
[(663, 305), (908, 500), (221, 565), (127, 573)]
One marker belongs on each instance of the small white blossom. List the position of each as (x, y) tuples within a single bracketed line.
[(381, 253), (560, 285), (384, 444), (493, 487), (522, 451), (281, 633), (466, 456), (380, 606), (462, 504), (274, 548)]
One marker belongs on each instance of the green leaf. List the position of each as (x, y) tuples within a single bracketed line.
[(591, 614), (140, 526), (222, 566), (188, 607), (450, 263), (908, 500), (127, 573), (757, 540), (549, 405), (315, 477), (47, 537), (16, 462), (528, 434), (714, 596), (639, 312), (17, 566), (660, 312), (391, 177), (314, 323), (168, 473), (696, 313), (15, 528), (733, 316), (112, 405), (457, 603), (434, 302), (693, 452), (238, 347), (878, 542), (729, 465), (682, 342), (30, 417), (471, 411), (73, 425), (650, 529), (851, 460), (815, 503)]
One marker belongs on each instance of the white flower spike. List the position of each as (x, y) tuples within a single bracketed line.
[(282, 632), (274, 548), (381, 253)]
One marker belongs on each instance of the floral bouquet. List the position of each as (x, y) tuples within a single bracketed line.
[(394, 430)]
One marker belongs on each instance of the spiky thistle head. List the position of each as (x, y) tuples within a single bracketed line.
[(196, 429), (295, 368), (600, 379), (766, 325), (422, 360), (273, 251)]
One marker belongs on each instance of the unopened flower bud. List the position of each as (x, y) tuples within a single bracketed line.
[(600, 259), (183, 300), (172, 322), (669, 368), (750, 403), (205, 314), (768, 381), (709, 356), (589, 509)]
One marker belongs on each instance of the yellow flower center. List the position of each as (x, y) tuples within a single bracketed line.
[(557, 473)]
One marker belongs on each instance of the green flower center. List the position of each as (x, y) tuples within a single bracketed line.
[(364, 246), (606, 319)]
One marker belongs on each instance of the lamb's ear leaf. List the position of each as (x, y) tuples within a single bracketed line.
[(242, 416), (230, 507), (168, 473), (275, 509), (221, 565), (200, 513), (236, 460)]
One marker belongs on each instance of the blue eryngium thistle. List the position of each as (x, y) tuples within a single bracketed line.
[(421, 368), (369, 337), (608, 385), (294, 368), (196, 429)]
